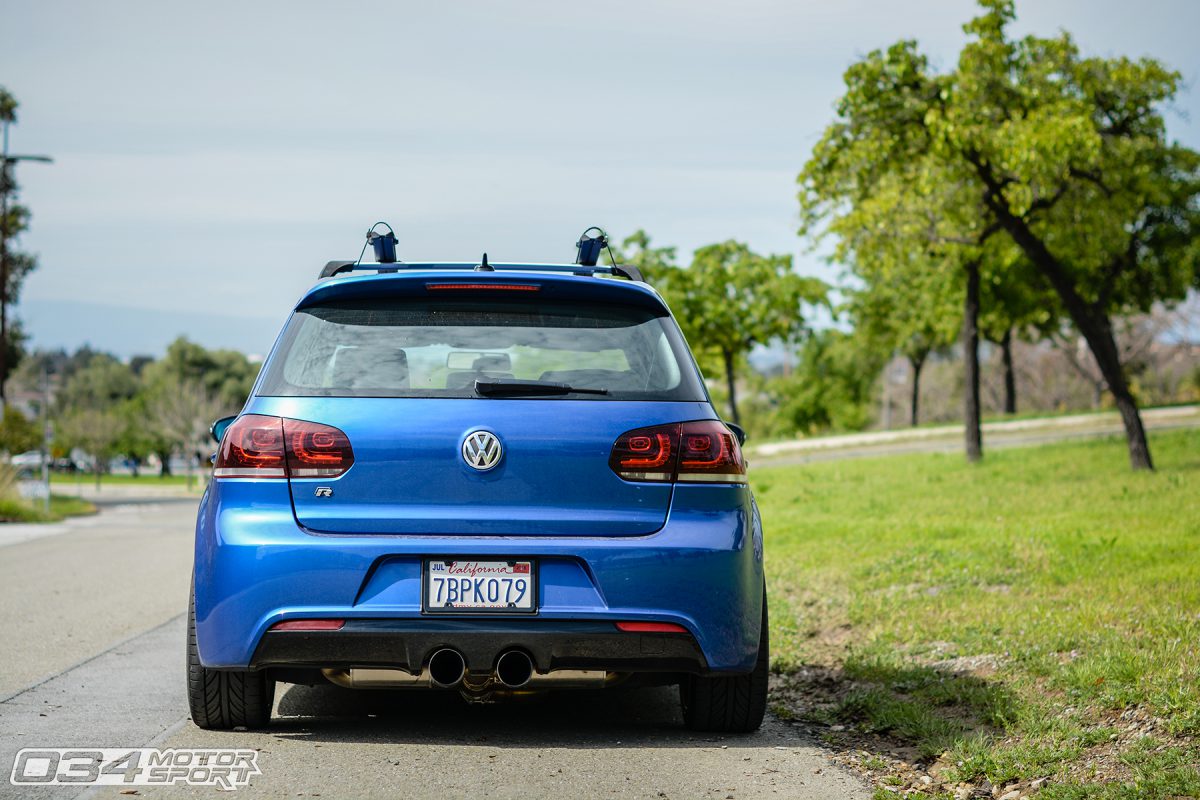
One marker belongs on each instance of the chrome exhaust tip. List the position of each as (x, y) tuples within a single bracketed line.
[(447, 668), (514, 669)]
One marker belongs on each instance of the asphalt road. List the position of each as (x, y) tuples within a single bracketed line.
[(91, 655)]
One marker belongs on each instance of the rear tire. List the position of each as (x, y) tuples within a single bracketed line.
[(224, 700), (733, 704)]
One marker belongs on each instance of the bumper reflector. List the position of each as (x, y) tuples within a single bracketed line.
[(309, 625), (651, 627)]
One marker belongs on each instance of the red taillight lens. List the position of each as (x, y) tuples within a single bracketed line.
[(315, 450), (650, 627), (699, 452), (709, 452), (252, 448), (647, 454), (258, 446), (483, 287)]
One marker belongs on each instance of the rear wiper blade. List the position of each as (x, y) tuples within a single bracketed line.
[(518, 387)]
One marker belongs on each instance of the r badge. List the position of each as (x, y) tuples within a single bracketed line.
[(323, 491)]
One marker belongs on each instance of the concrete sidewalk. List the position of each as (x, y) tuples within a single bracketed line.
[(1003, 433)]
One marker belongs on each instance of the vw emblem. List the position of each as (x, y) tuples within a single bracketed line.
[(482, 450)]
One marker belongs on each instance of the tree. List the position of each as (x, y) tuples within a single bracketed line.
[(93, 430), (89, 406), (916, 229), (137, 440), (18, 434), (655, 263), (832, 384), (910, 311), (180, 412), (1019, 308), (1066, 155), (102, 384), (226, 375), (219, 380), (14, 266), (731, 299)]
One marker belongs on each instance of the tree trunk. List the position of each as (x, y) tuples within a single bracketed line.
[(164, 464), (1010, 378), (1091, 320), (727, 355), (1099, 336), (1096, 327), (4, 187), (970, 341), (915, 401)]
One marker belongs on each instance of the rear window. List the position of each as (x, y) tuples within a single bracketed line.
[(438, 348)]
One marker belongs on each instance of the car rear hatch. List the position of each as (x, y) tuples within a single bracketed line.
[(409, 376), (409, 474)]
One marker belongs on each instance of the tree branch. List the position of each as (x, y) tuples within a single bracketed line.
[(1117, 266), (1046, 203), (1092, 178)]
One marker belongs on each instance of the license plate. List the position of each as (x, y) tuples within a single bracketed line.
[(474, 586)]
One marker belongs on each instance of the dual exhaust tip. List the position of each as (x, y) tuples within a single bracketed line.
[(448, 668)]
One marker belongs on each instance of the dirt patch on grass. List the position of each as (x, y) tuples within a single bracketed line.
[(868, 725), (885, 727), (935, 726)]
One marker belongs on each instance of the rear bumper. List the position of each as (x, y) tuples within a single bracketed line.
[(553, 645), (254, 566)]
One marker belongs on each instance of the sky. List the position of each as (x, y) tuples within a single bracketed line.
[(211, 157)]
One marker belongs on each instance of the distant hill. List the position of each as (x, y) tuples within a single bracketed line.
[(127, 331)]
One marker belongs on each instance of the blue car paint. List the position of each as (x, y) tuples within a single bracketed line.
[(408, 479), (686, 553), (255, 566)]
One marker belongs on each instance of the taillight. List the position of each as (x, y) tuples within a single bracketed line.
[(647, 454), (258, 446), (315, 450), (709, 452), (252, 447), (699, 452)]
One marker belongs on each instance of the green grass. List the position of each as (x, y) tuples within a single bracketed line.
[(13, 510), (1072, 581)]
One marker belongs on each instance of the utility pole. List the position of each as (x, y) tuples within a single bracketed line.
[(7, 185), (47, 434)]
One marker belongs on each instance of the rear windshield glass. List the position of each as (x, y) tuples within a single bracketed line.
[(434, 348)]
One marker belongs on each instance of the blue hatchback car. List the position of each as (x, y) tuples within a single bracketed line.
[(494, 479)]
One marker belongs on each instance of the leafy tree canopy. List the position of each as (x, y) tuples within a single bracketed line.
[(833, 383), (100, 385), (226, 375), (1066, 155), (18, 433)]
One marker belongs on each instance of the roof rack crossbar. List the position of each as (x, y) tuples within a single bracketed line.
[(621, 270)]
